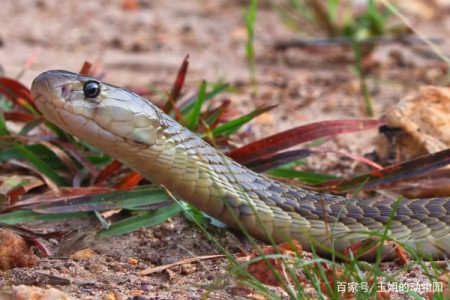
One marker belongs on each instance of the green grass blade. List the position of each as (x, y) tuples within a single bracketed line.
[(44, 153), (41, 165), (213, 117), (332, 6), (99, 160), (218, 88), (309, 177), (58, 132), (146, 219), (192, 118), (3, 130), (105, 224), (234, 125), (133, 199), (362, 79), (250, 19), (25, 216), (30, 126)]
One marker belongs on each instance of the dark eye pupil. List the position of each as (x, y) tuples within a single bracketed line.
[(91, 89)]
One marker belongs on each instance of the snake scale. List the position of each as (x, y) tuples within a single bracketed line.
[(141, 136)]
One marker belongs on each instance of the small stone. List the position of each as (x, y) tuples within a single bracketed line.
[(188, 268), (82, 254), (23, 292)]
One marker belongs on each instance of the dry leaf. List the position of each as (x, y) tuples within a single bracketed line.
[(173, 272), (441, 285), (261, 271), (403, 256), (367, 250)]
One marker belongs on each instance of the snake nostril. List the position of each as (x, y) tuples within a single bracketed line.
[(64, 92)]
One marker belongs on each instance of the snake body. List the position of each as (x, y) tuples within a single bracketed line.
[(141, 136)]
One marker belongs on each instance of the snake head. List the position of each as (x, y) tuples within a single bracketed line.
[(93, 110)]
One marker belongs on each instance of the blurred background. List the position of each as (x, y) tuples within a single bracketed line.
[(142, 42)]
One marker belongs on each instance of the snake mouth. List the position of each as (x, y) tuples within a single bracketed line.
[(36, 96)]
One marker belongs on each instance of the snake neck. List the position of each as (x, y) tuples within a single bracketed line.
[(197, 173)]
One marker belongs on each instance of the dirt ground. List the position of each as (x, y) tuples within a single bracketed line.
[(147, 45)]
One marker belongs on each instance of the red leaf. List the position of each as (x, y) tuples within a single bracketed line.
[(178, 115), (178, 84), (222, 110), (15, 193), (32, 58), (19, 116), (289, 138), (27, 233), (81, 158), (85, 68), (130, 181), (282, 158), (41, 247), (92, 70), (396, 173), (107, 171), (16, 92)]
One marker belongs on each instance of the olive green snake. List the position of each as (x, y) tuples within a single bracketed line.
[(141, 136)]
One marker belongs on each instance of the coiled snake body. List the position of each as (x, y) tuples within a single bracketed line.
[(134, 131)]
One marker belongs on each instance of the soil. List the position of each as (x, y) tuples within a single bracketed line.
[(140, 46)]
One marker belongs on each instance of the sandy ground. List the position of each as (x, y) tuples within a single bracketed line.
[(146, 46)]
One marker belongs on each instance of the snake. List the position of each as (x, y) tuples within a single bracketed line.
[(137, 133)]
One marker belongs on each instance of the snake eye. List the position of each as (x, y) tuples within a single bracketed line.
[(92, 89)]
